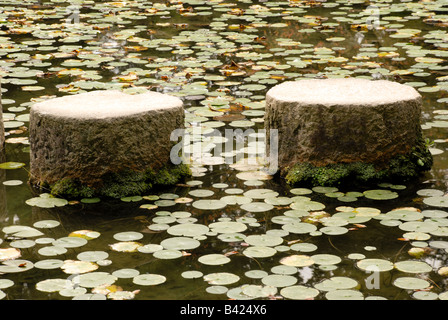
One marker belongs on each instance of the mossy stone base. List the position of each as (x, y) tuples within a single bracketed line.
[(400, 168), (125, 183)]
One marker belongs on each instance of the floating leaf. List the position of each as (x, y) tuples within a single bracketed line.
[(413, 266), (410, 283), (46, 201), (259, 252), (279, 280), (125, 246), (180, 243), (78, 267), (380, 265), (11, 165), (128, 236), (9, 254), (297, 261), (221, 278), (344, 295), (299, 292), (380, 194), (214, 259)]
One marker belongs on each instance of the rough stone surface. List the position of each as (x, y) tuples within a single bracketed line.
[(90, 136), (333, 121)]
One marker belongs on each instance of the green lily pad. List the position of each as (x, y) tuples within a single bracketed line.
[(411, 283), (209, 204), (221, 278), (257, 207), (188, 230), (297, 261), (126, 273), (128, 236), (413, 266), (94, 279), (193, 274), (263, 240), (92, 256), (46, 224), (180, 243), (380, 194), (167, 254), (46, 201), (344, 295), (336, 283), (53, 285), (299, 292), (326, 259), (214, 259), (70, 242), (279, 280), (259, 252), (11, 165), (49, 264), (380, 265), (437, 201), (227, 227)]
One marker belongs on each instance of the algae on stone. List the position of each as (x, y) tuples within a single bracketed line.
[(125, 183), (401, 167)]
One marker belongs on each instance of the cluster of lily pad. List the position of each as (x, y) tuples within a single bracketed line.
[(291, 242)]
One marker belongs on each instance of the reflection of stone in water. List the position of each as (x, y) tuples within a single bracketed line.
[(90, 216), (2, 159), (2, 186), (2, 129)]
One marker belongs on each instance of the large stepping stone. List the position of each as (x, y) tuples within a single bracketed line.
[(104, 143), (330, 130)]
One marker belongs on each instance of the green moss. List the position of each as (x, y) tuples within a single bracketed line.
[(122, 184), (72, 187), (402, 167)]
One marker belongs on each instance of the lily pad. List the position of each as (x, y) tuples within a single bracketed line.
[(188, 230), (413, 266), (180, 243), (221, 278), (299, 292), (209, 204), (297, 261), (279, 280), (411, 283), (11, 165), (78, 267), (227, 227), (46, 201), (259, 252), (214, 259), (380, 194), (370, 265), (437, 201)]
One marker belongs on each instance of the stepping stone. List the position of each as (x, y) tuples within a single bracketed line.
[(104, 143), (330, 130)]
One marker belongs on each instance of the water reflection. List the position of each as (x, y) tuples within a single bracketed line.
[(3, 214)]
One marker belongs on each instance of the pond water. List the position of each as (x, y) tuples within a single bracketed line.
[(231, 231)]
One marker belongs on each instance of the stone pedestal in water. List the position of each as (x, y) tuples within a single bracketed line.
[(104, 143), (335, 130)]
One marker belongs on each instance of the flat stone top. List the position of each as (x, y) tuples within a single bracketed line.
[(103, 104), (342, 91)]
